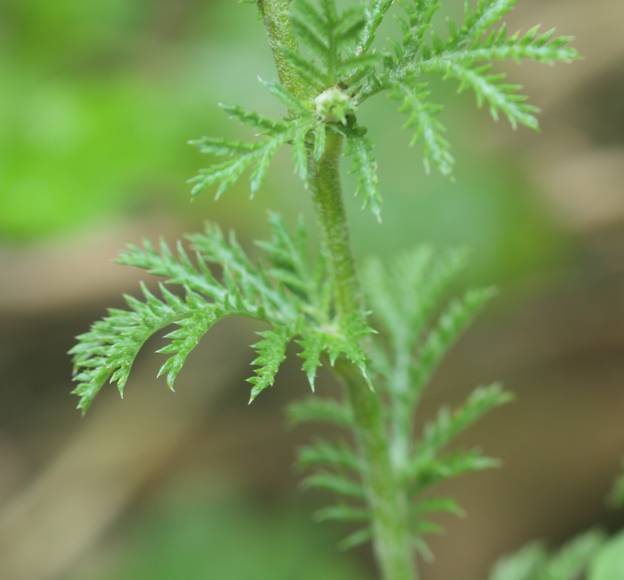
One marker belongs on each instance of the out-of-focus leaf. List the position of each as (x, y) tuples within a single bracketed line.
[(609, 563)]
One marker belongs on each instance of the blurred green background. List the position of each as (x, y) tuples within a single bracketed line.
[(97, 102)]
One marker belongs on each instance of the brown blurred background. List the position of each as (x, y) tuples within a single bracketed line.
[(97, 102)]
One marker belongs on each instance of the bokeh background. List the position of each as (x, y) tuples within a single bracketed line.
[(97, 101)]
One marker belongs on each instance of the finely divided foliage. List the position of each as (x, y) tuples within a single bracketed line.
[(420, 324), (341, 64), (338, 62), (535, 562), (282, 289)]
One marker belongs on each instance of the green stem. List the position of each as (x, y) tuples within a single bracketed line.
[(386, 495), (387, 500), (276, 17), (325, 182)]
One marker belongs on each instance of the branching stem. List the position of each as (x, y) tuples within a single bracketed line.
[(386, 496)]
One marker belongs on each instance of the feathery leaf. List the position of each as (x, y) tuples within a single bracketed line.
[(452, 323), (363, 165), (482, 16), (318, 410), (447, 425), (524, 565), (107, 352), (271, 353), (375, 12), (533, 562), (329, 455), (334, 483), (356, 539), (429, 131), (342, 513), (490, 88), (282, 289), (332, 55)]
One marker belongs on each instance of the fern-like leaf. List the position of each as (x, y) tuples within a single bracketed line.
[(447, 425), (335, 484), (182, 341), (175, 269), (405, 295), (108, 351), (319, 410), (288, 258), (466, 54), (341, 469), (435, 505), (429, 131), (480, 17), (342, 513), (337, 337), (326, 454), (254, 120), (425, 473), (375, 13), (453, 321), (255, 157), (534, 562), (535, 45), (331, 40), (242, 157), (312, 347), (416, 23), (282, 289), (489, 88), (271, 351), (337, 68), (356, 539), (524, 565), (570, 561), (364, 166)]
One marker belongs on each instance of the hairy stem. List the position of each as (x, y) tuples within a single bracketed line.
[(275, 14), (387, 499), (326, 189), (386, 495)]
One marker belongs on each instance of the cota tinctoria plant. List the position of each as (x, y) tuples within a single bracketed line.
[(383, 330)]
